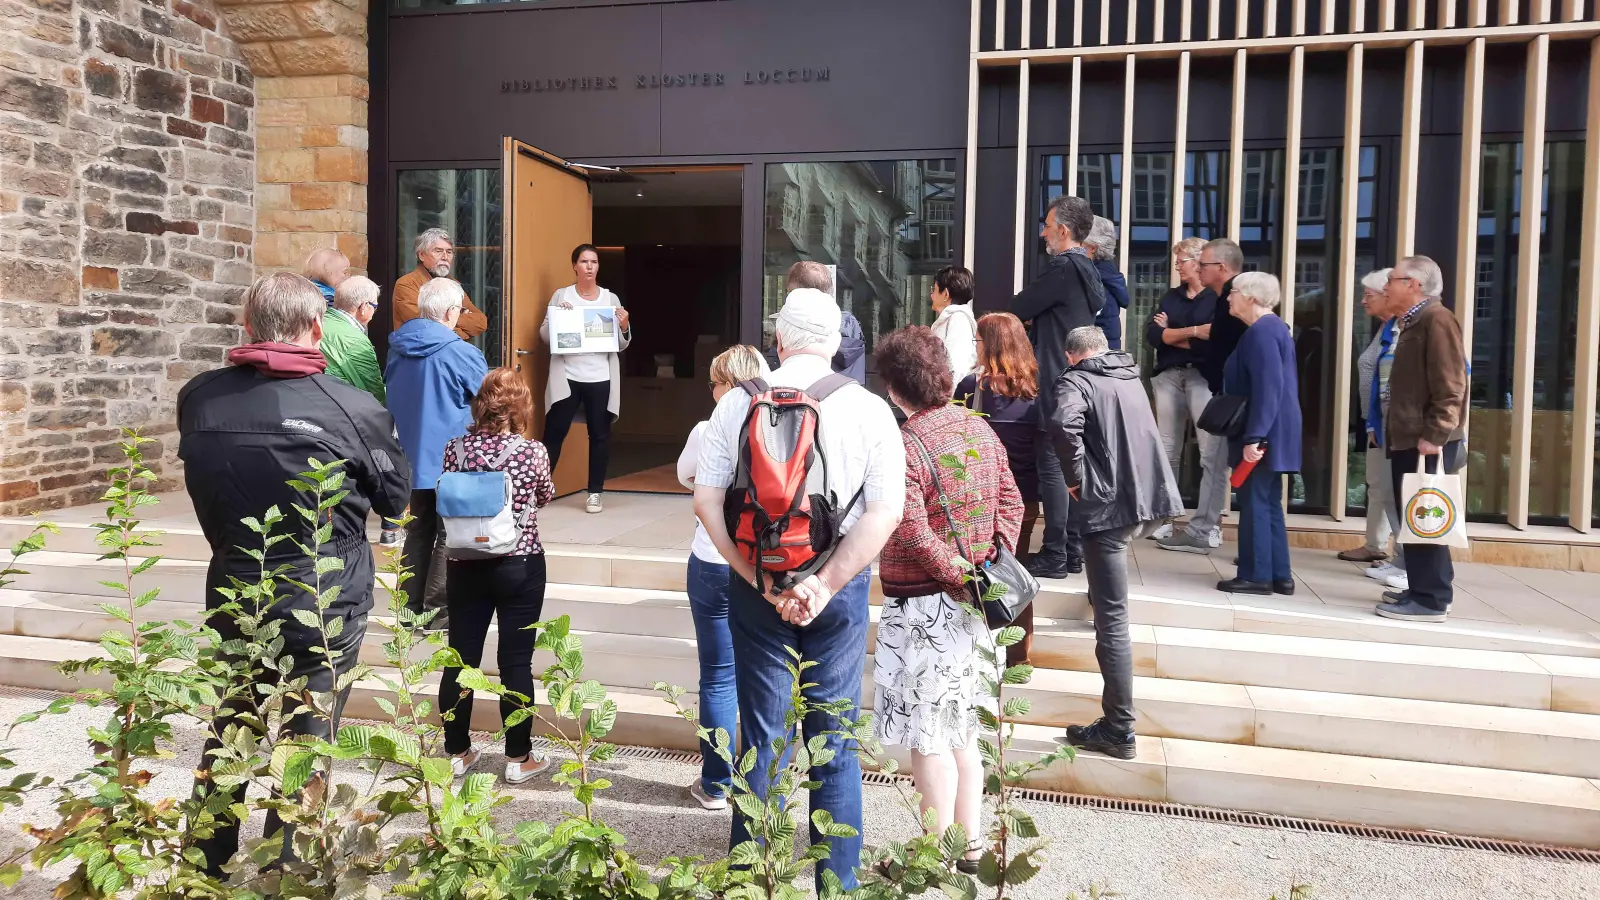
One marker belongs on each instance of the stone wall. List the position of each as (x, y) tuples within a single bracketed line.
[(127, 180), (310, 63)]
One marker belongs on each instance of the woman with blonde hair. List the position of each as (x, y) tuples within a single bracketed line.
[(1003, 389), (708, 597), (510, 587), (1177, 383)]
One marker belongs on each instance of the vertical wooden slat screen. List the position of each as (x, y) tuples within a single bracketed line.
[(1236, 148), (1410, 138), (1349, 210), (1125, 214), (1580, 506), (1072, 140), (1328, 10), (1132, 36), (1180, 155), (969, 216), (1478, 13), (1105, 21), (1000, 24), (1388, 16), (1050, 21), (1269, 21), (1447, 13), (1510, 10), (1077, 24), (1291, 184), (1158, 21), (1419, 9), (1185, 20), (1530, 215), (1298, 19), (1467, 199), (1214, 19), (1241, 19), (1027, 23), (1019, 255), (1358, 16)]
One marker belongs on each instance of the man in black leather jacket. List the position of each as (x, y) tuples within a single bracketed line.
[(245, 430), (1067, 295), (1121, 484)]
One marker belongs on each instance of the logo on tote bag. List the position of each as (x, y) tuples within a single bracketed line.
[(1430, 513)]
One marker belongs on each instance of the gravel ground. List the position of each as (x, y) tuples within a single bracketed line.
[(1141, 857)]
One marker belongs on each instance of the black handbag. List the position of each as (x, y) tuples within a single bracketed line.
[(1224, 415), (1005, 569)]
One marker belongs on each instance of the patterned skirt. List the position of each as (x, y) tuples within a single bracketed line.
[(927, 689)]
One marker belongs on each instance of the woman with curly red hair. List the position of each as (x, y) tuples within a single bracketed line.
[(511, 587), (1004, 389)]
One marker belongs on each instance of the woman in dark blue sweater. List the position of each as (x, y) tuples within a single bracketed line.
[(1262, 369)]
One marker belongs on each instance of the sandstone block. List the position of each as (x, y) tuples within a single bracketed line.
[(337, 55), (112, 340), (314, 195), (102, 79), (206, 109), (100, 278), (160, 91), (34, 99), (341, 164), (263, 22), (119, 40), (260, 59), (112, 248), (34, 280), (277, 112), (286, 166), (18, 490), (326, 17)]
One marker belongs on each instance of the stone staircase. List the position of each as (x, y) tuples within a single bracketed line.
[(1258, 704)]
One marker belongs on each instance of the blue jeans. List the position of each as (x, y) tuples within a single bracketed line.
[(837, 642), (719, 697), (1263, 536)]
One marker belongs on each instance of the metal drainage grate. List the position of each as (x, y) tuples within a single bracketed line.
[(1112, 804), (1291, 823)]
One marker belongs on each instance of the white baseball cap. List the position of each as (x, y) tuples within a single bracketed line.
[(810, 310)]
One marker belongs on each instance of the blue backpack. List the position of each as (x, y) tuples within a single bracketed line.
[(477, 512)]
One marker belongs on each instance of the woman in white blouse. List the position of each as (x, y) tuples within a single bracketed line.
[(708, 598), (590, 380), (952, 300)]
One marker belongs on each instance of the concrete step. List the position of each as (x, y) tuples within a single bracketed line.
[(1536, 740), (661, 577), (1553, 809)]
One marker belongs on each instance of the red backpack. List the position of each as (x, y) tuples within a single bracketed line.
[(780, 528)]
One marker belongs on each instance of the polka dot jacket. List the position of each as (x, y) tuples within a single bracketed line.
[(529, 468)]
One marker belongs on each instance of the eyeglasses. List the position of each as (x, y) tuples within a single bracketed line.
[(1394, 278), (1205, 264)]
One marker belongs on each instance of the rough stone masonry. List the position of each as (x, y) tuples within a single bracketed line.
[(127, 179)]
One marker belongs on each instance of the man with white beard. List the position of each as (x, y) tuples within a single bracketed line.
[(436, 256)]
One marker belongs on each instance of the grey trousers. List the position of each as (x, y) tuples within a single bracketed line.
[(1105, 562), (1181, 396), (1383, 519)]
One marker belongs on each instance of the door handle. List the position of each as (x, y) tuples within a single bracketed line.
[(524, 352)]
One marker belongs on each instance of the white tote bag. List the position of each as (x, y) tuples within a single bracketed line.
[(1433, 508)]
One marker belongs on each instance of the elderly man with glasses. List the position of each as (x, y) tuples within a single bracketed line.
[(436, 258), (351, 357), (1427, 414)]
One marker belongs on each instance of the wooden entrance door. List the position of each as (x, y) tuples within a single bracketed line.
[(547, 212)]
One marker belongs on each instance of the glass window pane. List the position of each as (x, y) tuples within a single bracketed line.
[(887, 225), (1316, 310), (1494, 334), (1365, 327), (1556, 332), (466, 203)]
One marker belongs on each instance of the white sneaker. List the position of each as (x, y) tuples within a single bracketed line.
[(527, 770), (705, 798), (1214, 538), (1399, 581), (461, 765), (1165, 531), (1381, 571), (593, 506)]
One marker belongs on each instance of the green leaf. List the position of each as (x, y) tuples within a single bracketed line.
[(1011, 634), (437, 770)]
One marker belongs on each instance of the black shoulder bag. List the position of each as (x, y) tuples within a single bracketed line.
[(1224, 415), (1020, 587)]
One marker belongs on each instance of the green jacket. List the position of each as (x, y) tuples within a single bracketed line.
[(351, 358)]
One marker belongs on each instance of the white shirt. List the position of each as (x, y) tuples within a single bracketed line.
[(858, 433), (589, 368), (959, 331), (687, 460)]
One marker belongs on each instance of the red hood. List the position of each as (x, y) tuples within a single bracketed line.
[(276, 360)]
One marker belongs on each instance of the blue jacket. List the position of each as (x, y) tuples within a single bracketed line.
[(1262, 368), (1110, 316), (1375, 399), (327, 292), (432, 377)]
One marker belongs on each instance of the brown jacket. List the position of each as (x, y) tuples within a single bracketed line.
[(471, 324), (1428, 381)]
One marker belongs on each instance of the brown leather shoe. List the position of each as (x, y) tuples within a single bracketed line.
[(1363, 555)]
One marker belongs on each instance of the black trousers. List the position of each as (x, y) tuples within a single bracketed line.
[(297, 720), (511, 588), (1429, 570), (593, 398), (423, 557), (1105, 562), (1062, 539)]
